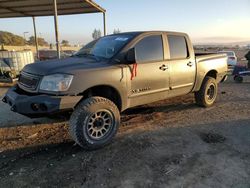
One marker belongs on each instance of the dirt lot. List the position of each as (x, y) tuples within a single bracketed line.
[(171, 143)]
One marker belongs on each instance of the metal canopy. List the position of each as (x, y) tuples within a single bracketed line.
[(34, 8)]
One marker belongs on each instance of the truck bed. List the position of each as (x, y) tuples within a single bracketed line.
[(208, 56), (204, 53)]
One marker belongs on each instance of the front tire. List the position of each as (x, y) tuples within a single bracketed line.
[(207, 94), (94, 123)]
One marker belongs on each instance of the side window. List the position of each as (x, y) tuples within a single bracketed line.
[(177, 47), (149, 49)]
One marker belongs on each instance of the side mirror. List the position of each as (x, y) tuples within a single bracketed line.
[(131, 56)]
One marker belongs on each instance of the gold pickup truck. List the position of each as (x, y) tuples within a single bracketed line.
[(112, 74)]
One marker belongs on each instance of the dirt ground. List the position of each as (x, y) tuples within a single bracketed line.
[(171, 143)]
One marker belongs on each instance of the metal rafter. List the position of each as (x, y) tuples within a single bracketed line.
[(37, 8)]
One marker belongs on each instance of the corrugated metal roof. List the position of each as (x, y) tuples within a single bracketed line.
[(29, 8)]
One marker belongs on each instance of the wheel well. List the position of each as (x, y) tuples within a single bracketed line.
[(106, 92), (212, 73)]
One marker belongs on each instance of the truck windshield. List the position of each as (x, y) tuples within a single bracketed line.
[(105, 47)]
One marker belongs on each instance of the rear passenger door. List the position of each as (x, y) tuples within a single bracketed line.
[(182, 65)]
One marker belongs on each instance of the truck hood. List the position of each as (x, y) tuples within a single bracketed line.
[(68, 65)]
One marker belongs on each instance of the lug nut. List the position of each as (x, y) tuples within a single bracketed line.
[(13, 108), (4, 100), (34, 106)]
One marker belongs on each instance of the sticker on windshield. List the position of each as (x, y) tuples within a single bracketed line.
[(121, 39)]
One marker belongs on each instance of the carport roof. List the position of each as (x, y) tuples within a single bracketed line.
[(34, 8)]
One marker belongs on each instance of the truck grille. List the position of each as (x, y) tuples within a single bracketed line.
[(29, 81)]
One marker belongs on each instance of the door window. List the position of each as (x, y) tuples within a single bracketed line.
[(177, 47), (149, 49)]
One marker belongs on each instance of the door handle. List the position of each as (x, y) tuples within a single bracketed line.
[(163, 67), (190, 64)]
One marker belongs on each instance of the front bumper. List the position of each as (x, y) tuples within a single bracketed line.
[(39, 105)]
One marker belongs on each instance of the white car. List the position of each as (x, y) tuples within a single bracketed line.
[(232, 59)]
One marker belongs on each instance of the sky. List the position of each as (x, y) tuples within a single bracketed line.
[(206, 21)]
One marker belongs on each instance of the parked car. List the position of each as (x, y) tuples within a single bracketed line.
[(45, 55), (69, 53), (232, 58), (115, 73)]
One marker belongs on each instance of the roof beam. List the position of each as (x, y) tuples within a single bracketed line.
[(29, 8), (48, 5), (15, 11), (95, 5), (65, 9)]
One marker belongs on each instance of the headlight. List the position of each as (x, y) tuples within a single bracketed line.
[(56, 82)]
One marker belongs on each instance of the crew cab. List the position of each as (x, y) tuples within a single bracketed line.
[(112, 74)]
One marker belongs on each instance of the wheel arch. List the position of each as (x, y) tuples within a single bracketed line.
[(212, 73), (201, 77), (105, 91)]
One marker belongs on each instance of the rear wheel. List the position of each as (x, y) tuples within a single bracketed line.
[(238, 79), (207, 94), (94, 122)]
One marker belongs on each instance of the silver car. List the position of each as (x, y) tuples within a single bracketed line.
[(232, 59)]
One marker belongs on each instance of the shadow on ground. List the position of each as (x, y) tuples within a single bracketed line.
[(168, 156)]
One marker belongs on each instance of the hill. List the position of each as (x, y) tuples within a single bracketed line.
[(8, 38)]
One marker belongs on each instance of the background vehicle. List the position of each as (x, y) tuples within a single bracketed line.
[(232, 59), (113, 74), (69, 52), (239, 73), (52, 54)]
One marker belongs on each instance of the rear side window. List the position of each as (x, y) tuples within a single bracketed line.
[(149, 49), (178, 47), (230, 54)]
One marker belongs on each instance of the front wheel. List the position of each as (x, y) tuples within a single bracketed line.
[(207, 94), (94, 123)]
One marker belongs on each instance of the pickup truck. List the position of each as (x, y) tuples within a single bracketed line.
[(112, 74)]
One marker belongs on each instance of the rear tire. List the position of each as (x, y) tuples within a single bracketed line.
[(207, 94), (94, 123), (238, 79)]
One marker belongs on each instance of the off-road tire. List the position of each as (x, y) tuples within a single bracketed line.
[(201, 96), (80, 118)]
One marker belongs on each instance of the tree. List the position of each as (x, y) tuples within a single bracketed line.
[(116, 31), (96, 34), (65, 43), (41, 41), (8, 38)]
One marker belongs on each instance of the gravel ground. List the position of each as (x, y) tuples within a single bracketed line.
[(172, 143)]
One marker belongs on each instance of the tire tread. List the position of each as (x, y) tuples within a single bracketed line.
[(73, 122), (200, 95)]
